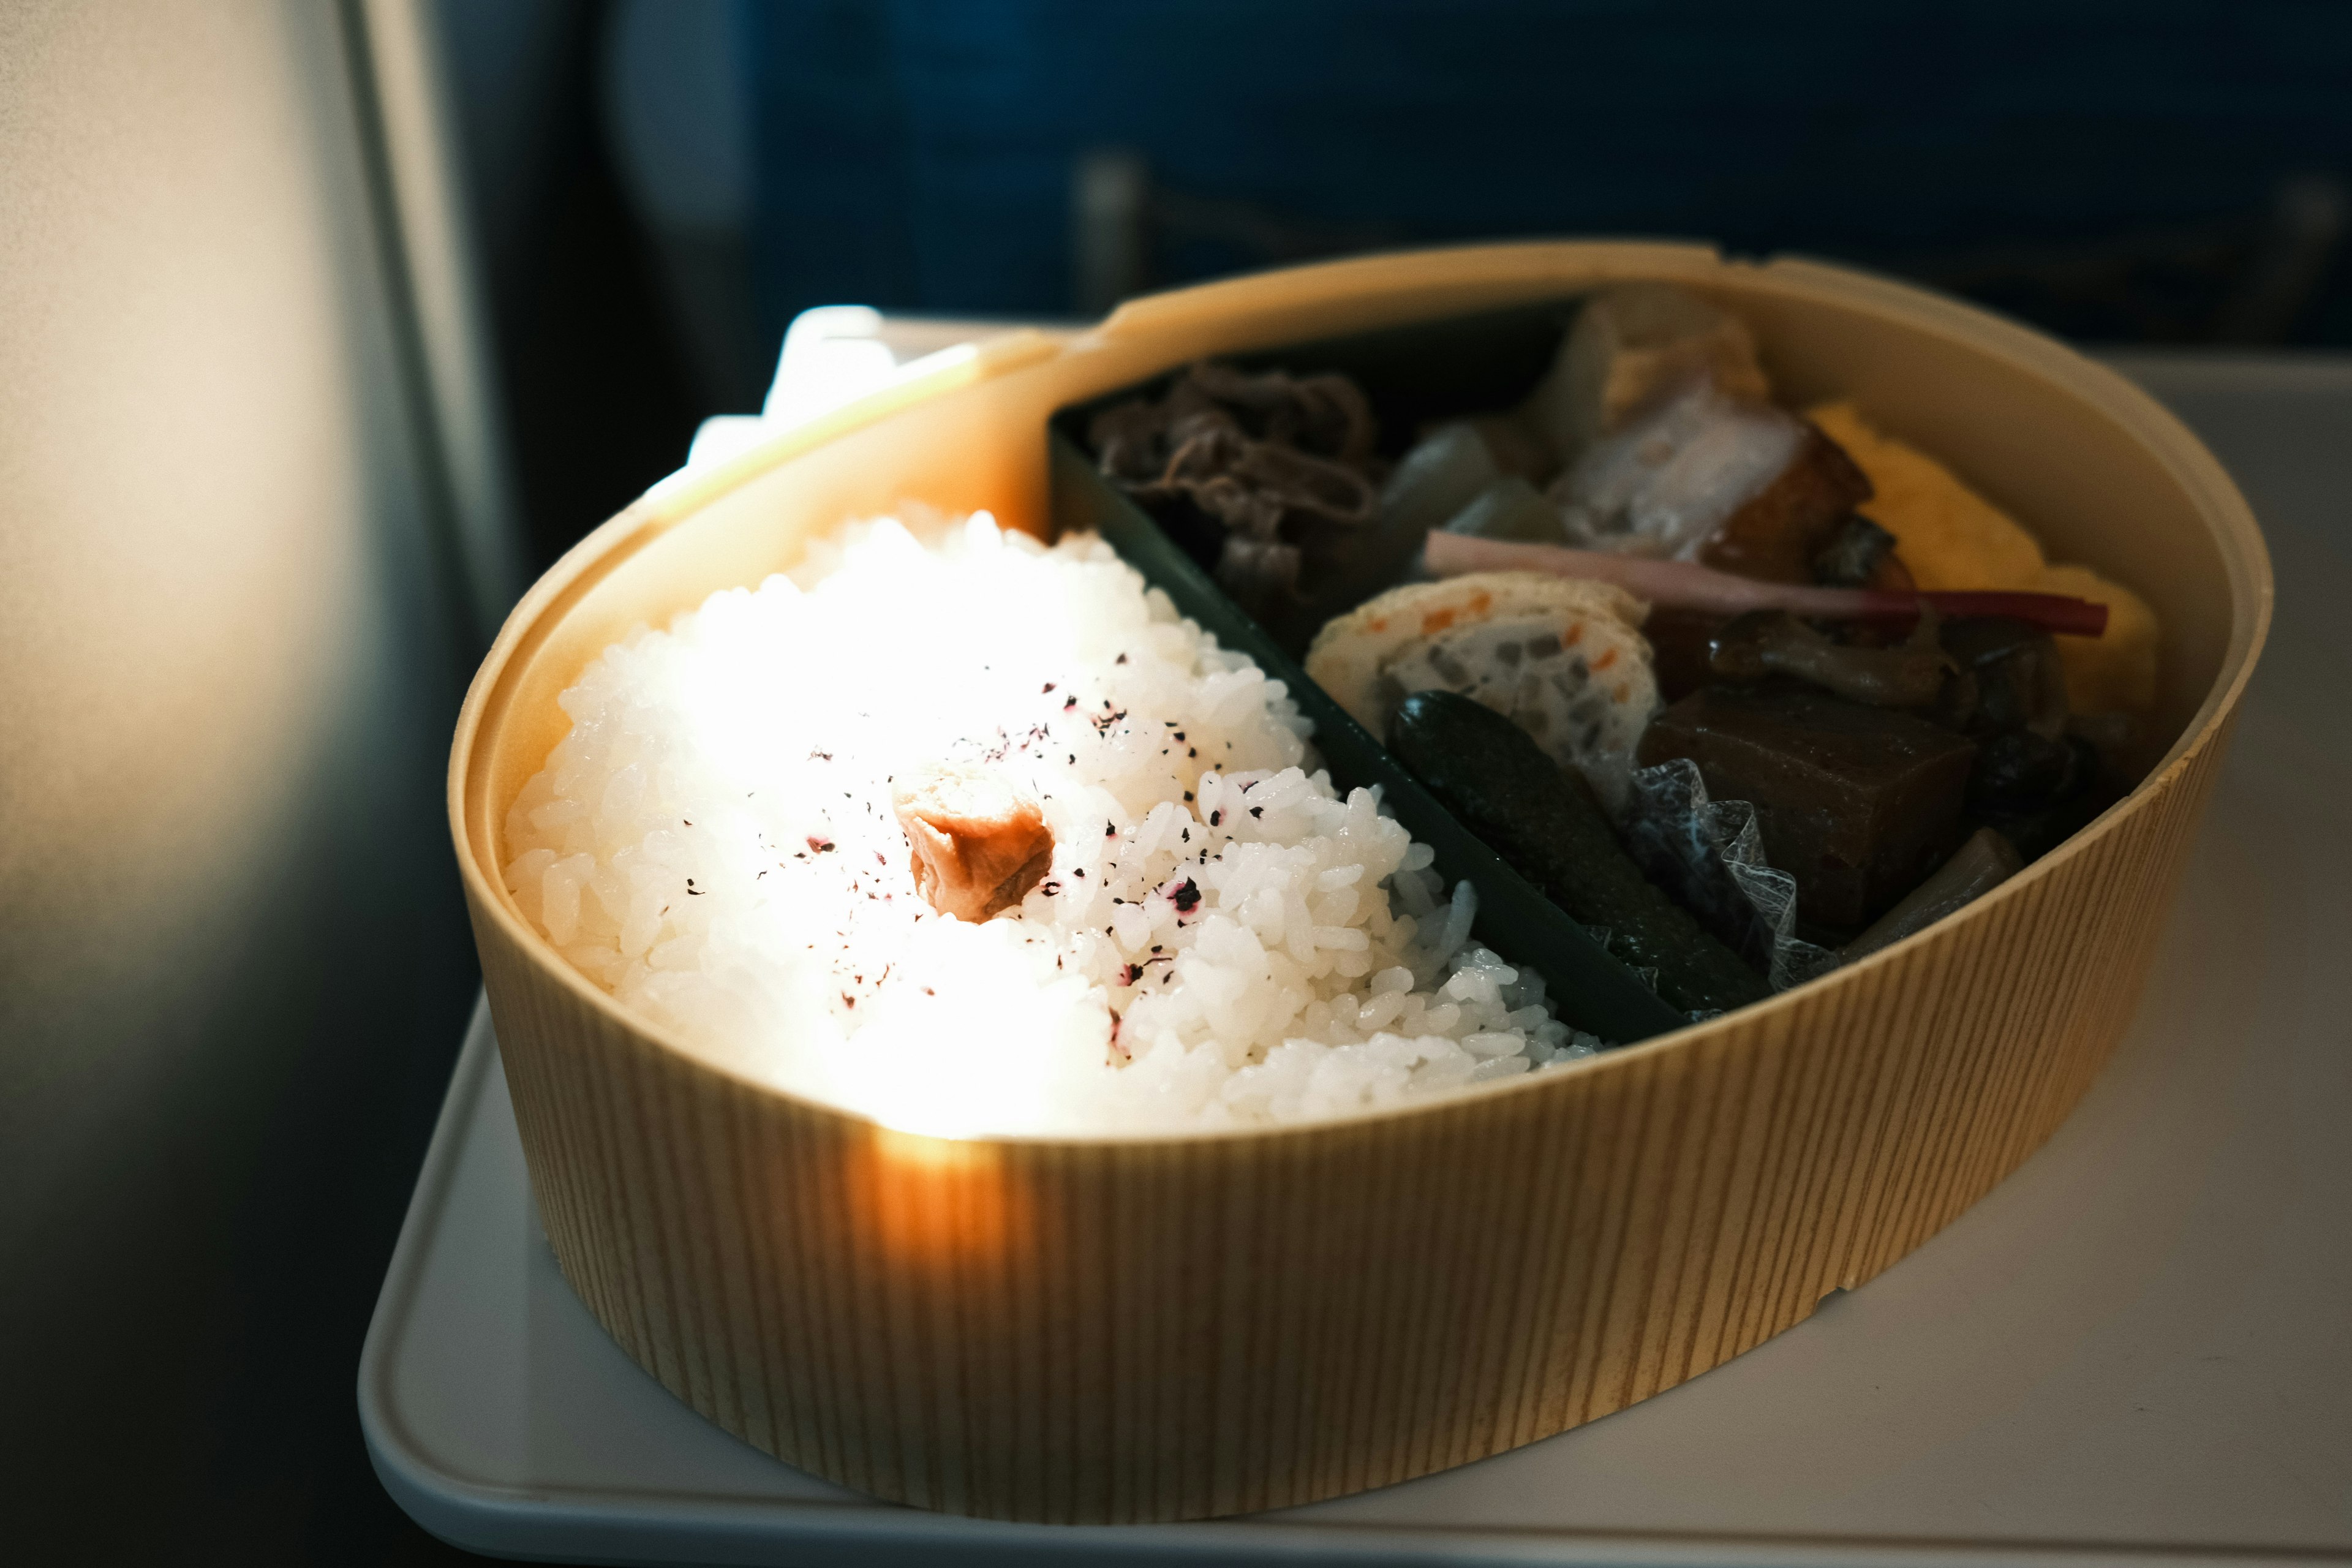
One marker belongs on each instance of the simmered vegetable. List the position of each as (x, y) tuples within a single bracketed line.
[(1633, 346), (1774, 642), (1546, 823), (2019, 682), (1976, 868), (1510, 508), (1860, 554)]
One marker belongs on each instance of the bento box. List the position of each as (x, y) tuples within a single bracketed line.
[(1132, 1328)]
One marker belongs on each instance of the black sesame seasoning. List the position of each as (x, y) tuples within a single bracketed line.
[(1257, 810), (1186, 898), (1049, 685), (1215, 817), (1111, 830)]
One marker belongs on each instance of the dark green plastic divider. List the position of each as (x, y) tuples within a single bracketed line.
[(1591, 987)]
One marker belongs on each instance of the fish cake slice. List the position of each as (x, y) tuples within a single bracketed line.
[(1563, 658)]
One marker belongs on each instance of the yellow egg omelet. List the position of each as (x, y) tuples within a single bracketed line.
[(1949, 537)]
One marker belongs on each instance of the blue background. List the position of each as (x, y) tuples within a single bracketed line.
[(2102, 167)]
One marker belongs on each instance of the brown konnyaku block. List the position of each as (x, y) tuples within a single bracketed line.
[(1856, 803)]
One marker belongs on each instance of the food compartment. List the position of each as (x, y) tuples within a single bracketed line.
[(1402, 509)]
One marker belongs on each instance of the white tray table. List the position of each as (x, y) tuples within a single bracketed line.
[(2139, 1348)]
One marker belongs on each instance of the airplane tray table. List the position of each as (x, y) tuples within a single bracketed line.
[(2137, 1347)]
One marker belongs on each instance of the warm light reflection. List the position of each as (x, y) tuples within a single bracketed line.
[(945, 1200)]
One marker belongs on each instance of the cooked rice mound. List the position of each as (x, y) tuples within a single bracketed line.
[(1221, 938)]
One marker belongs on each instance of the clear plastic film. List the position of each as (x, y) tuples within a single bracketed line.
[(1708, 855)]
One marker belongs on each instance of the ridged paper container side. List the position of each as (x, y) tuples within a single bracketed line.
[(1128, 1329)]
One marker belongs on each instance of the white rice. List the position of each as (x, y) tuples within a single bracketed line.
[(1222, 940)]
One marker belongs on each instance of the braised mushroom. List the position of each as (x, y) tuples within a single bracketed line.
[(1774, 642)]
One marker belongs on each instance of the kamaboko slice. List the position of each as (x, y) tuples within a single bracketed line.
[(1561, 657)]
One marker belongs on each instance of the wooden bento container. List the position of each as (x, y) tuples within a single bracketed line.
[(1161, 1328)]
